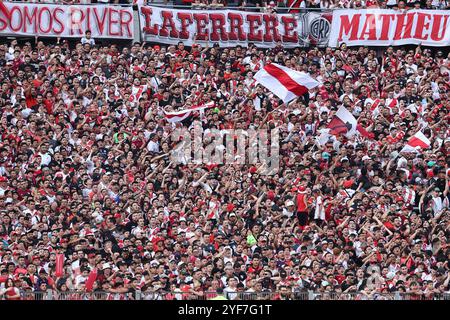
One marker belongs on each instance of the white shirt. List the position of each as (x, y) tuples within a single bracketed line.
[(91, 41), (45, 159), (153, 146)]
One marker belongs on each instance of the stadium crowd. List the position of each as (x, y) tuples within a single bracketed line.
[(86, 172)]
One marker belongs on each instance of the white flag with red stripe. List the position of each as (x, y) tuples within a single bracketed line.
[(286, 83), (416, 143), (178, 116)]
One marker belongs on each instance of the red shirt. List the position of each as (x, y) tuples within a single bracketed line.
[(301, 207)]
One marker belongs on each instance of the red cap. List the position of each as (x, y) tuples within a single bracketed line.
[(185, 288), (3, 179), (348, 183), (271, 195), (230, 207)]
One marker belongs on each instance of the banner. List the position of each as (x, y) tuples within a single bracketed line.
[(232, 27), (377, 27), (49, 20)]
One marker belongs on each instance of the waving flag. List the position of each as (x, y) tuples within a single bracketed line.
[(178, 116), (416, 142), (345, 123), (286, 83)]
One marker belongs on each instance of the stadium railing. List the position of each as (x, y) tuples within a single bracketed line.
[(161, 295)]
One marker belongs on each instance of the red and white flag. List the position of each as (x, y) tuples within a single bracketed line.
[(178, 116), (286, 83), (417, 142), (345, 123)]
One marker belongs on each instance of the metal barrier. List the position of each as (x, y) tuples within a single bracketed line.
[(161, 295)]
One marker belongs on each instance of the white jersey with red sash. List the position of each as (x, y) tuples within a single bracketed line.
[(137, 91), (213, 210), (409, 196), (391, 103), (233, 86)]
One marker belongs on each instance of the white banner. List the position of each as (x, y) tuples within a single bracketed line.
[(379, 27), (48, 20), (231, 27)]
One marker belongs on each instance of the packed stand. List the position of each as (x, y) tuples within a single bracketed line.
[(85, 171)]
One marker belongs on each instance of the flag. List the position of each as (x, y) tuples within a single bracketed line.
[(91, 279), (5, 10), (417, 142), (286, 83), (345, 123), (181, 115), (59, 265), (362, 131)]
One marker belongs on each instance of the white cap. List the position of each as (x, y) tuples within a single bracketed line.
[(154, 262), (289, 203), (366, 158)]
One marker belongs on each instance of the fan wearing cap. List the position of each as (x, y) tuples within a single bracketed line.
[(439, 201), (289, 208)]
